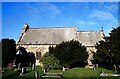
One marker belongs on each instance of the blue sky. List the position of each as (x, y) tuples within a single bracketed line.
[(83, 15), (60, 0)]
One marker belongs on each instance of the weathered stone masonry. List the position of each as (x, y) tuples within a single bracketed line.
[(38, 40)]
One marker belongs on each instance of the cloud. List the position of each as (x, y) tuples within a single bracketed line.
[(101, 15), (105, 19), (51, 8), (86, 23), (111, 7), (43, 9), (91, 23)]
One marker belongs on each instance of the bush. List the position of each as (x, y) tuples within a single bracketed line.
[(49, 61)]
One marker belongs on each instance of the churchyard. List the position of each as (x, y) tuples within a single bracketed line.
[(68, 60), (73, 73)]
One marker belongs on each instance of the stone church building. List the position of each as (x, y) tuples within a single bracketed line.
[(38, 40)]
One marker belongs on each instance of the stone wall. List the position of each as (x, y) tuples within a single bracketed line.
[(38, 50), (90, 50)]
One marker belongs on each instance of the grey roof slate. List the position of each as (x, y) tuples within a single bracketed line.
[(57, 35), (47, 35), (90, 38)]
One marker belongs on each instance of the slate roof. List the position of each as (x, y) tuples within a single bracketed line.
[(57, 35), (47, 35), (89, 38)]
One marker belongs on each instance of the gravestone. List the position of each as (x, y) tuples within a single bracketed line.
[(115, 68), (23, 71), (63, 69), (44, 71), (94, 66), (19, 66), (30, 64), (36, 74), (102, 73), (33, 66)]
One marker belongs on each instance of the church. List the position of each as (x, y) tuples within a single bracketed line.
[(38, 40)]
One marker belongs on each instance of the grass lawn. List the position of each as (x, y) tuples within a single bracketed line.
[(74, 73), (12, 74), (86, 73), (55, 71)]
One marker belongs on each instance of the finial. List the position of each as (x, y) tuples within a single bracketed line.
[(102, 29), (26, 24), (25, 27)]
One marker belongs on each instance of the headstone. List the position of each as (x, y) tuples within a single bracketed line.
[(30, 64), (94, 67), (44, 71), (102, 73), (115, 69), (23, 70), (36, 74), (19, 66), (33, 66), (63, 69), (20, 73)]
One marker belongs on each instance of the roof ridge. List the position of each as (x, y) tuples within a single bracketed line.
[(90, 31), (51, 27)]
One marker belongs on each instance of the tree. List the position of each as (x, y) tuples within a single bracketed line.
[(8, 51), (103, 56), (49, 61), (23, 57), (69, 53), (108, 51)]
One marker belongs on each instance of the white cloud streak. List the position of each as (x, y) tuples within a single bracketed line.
[(111, 8), (86, 23), (106, 18), (101, 15), (45, 9)]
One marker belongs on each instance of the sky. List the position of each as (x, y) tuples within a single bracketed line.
[(83, 15), (59, 0)]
